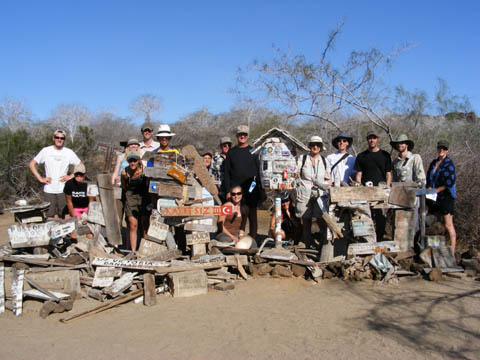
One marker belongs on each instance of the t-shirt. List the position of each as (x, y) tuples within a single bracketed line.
[(78, 192), (56, 165), (374, 166), (344, 169)]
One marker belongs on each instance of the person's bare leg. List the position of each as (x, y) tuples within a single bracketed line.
[(448, 219), (133, 225)]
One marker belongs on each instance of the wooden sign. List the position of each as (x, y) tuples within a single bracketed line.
[(120, 285), (62, 230), (150, 248), (129, 264), (18, 275), (188, 283), (30, 235), (350, 193), (157, 229), (2, 288), (178, 173), (443, 257), (197, 210), (109, 207), (104, 276), (198, 238), (95, 213), (92, 190), (372, 248), (362, 228), (37, 294)]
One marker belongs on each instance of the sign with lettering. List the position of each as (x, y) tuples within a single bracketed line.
[(129, 264), (95, 213), (92, 190), (157, 229), (198, 238), (30, 235), (197, 210), (62, 230)]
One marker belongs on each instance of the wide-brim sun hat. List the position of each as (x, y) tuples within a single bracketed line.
[(342, 135), (245, 242), (443, 143), (133, 141), (316, 139), (225, 140), (164, 131), (402, 138)]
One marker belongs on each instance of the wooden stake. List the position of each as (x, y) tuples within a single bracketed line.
[(149, 293)]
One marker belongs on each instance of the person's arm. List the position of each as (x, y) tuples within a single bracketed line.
[(124, 180), (115, 177), (358, 177), (68, 199), (227, 179), (34, 170), (272, 223), (67, 177), (389, 178), (358, 168)]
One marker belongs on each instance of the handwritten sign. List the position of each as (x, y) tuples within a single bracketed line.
[(30, 235), (157, 229), (198, 238), (62, 230), (197, 210), (92, 190), (129, 264)]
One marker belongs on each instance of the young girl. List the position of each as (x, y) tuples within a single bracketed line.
[(134, 185)]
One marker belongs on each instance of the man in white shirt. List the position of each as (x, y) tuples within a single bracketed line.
[(56, 159), (341, 162), (148, 144)]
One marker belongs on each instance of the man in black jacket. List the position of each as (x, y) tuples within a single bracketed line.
[(241, 168)]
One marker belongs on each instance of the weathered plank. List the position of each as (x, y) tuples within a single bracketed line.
[(104, 276), (67, 281), (37, 294), (95, 213), (129, 264), (443, 257), (188, 283), (2, 287), (190, 226), (62, 230), (44, 291), (30, 235), (372, 248), (180, 268), (350, 193), (149, 292), (18, 274), (157, 229), (150, 248), (197, 210), (120, 285), (169, 189), (231, 260), (402, 196), (109, 207), (198, 238)]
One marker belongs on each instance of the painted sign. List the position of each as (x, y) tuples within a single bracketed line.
[(129, 264), (92, 190), (198, 238), (30, 235), (157, 229), (62, 230), (197, 210)]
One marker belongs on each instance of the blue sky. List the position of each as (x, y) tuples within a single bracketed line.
[(102, 54)]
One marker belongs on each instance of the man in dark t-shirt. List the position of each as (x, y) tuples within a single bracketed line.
[(241, 168), (374, 165)]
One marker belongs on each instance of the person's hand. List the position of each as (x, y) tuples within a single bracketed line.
[(115, 180), (65, 178), (235, 239), (46, 180)]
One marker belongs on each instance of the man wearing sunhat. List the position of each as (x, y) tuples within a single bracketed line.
[(148, 144), (341, 162), (241, 168), (57, 159), (374, 166), (164, 135), (218, 166), (407, 166)]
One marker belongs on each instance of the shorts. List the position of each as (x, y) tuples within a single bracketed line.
[(57, 206), (77, 212), (134, 205), (443, 206)]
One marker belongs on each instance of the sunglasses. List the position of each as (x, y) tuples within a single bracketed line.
[(343, 141), (147, 130), (236, 193), (59, 138), (442, 148), (225, 144), (132, 160), (242, 134), (79, 174), (372, 137), (315, 144)]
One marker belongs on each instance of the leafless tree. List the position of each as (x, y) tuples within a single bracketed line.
[(70, 118), (109, 128), (14, 114), (145, 105), (320, 89)]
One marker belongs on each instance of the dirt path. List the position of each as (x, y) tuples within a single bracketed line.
[(265, 319)]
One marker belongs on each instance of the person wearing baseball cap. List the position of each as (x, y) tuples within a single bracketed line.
[(374, 166), (441, 176), (148, 144), (242, 168), (218, 165), (75, 191)]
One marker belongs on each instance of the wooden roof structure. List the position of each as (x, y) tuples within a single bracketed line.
[(292, 142)]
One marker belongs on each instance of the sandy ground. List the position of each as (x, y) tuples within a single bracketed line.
[(264, 319)]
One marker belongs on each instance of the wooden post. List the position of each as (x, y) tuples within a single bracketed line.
[(18, 273), (109, 207), (149, 293), (278, 222), (2, 288)]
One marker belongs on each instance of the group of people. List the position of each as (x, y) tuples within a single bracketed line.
[(236, 171)]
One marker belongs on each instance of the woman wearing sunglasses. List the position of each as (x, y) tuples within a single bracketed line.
[(134, 185), (441, 177), (232, 227)]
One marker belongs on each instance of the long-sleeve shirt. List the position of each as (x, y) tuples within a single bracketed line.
[(444, 176), (240, 166), (408, 169)]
